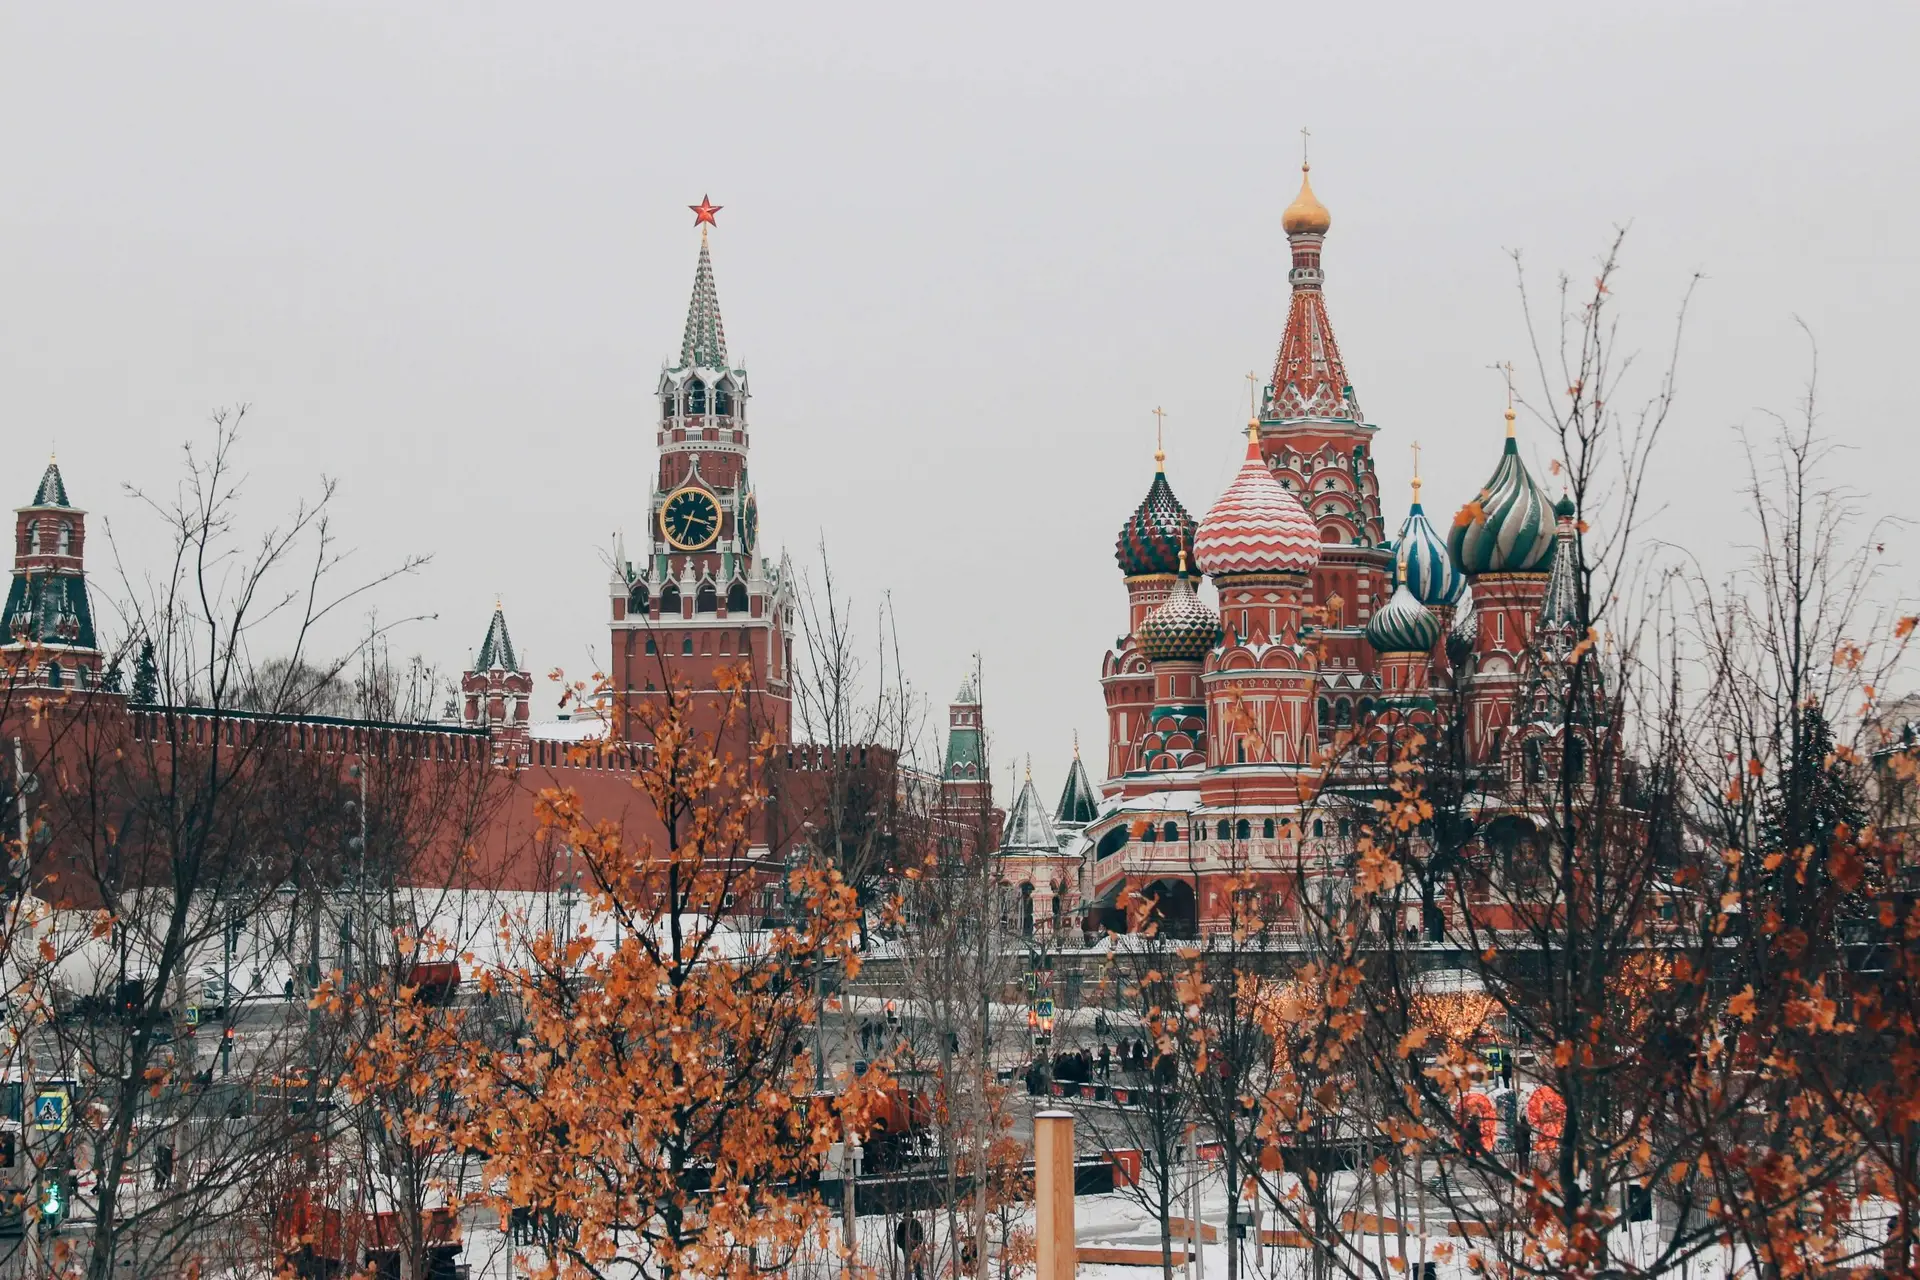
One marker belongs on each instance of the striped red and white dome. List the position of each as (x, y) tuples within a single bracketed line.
[(1256, 526)]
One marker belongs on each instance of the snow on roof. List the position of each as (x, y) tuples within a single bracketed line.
[(1178, 801), (587, 727)]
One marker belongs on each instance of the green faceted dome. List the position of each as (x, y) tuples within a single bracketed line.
[(1509, 529), (1182, 629), (1404, 626)]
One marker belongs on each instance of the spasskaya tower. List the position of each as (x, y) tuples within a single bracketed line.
[(697, 593)]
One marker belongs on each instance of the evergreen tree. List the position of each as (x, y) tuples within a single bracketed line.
[(146, 676), (1815, 793)]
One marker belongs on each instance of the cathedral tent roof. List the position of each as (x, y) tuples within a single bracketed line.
[(1028, 830), (1079, 804)]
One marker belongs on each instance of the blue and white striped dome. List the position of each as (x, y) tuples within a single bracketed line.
[(1421, 562)]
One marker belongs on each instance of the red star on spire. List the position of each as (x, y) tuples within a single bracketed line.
[(704, 211)]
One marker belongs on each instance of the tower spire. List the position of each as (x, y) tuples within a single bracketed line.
[(1309, 377), (704, 345)]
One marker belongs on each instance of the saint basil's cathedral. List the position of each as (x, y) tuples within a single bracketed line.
[(1222, 719)]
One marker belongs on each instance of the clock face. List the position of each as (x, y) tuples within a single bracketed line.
[(750, 521), (690, 519)]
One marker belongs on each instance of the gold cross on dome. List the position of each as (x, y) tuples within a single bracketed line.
[(1159, 434), (1253, 395), (1305, 134)]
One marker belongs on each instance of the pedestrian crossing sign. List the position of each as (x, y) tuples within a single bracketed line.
[(51, 1112)]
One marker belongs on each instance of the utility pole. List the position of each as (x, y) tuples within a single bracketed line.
[(22, 1024)]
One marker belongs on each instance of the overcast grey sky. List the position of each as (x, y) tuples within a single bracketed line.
[(441, 249)]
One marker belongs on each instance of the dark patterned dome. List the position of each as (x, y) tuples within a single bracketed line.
[(1155, 535), (1182, 629)]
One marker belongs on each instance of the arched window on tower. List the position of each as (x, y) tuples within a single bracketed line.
[(1172, 833), (723, 398), (1220, 831), (706, 599), (1266, 829), (1325, 709), (66, 537), (686, 645), (1342, 713), (1243, 830), (1530, 758), (1150, 834), (33, 538), (1026, 910), (737, 598), (1576, 752), (668, 404), (696, 396), (638, 598), (670, 600)]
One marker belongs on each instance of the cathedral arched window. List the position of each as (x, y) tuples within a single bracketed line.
[(1319, 828), (706, 599), (670, 600), (1576, 760), (638, 598), (1326, 712), (737, 598), (54, 674), (1266, 829), (1172, 833), (1150, 834), (1026, 910), (696, 396), (1530, 758), (723, 399), (668, 404), (1342, 713), (1243, 830), (1220, 831), (66, 537), (1112, 842), (1366, 708), (686, 645), (33, 537)]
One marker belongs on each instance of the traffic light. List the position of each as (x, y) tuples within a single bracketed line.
[(53, 1202)]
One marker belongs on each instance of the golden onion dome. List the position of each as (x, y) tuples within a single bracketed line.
[(1306, 215)]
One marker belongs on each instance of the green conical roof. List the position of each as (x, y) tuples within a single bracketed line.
[(497, 649), (704, 345), (1079, 803), (53, 490)]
